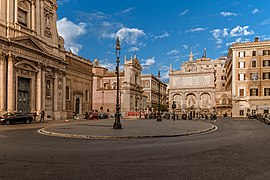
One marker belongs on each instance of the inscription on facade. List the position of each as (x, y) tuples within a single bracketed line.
[(186, 82)]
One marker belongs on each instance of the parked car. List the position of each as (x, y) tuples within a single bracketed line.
[(103, 116), (267, 119), (9, 118)]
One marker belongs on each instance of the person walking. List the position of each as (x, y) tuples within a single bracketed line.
[(34, 116), (42, 115)]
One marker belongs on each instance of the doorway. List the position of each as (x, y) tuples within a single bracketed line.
[(77, 106), (24, 100)]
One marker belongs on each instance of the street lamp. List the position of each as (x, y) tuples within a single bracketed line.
[(117, 124), (159, 116)]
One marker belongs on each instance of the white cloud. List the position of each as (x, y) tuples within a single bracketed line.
[(133, 49), (266, 22), (71, 32), (225, 32), (184, 12), (218, 33), (255, 11), (129, 35), (148, 62), (241, 31), (238, 40), (185, 46), (127, 10), (165, 76), (164, 35), (173, 52), (196, 29), (226, 14)]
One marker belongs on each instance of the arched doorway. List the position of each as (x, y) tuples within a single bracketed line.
[(77, 106)]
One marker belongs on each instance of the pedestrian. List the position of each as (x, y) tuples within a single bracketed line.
[(42, 115), (34, 116)]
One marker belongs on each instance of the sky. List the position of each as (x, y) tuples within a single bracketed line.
[(159, 32)]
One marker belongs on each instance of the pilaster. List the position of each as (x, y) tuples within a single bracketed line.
[(55, 91), (39, 90), (2, 81), (64, 92), (10, 84)]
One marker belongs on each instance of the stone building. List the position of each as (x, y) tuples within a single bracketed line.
[(132, 99), (199, 87), (151, 85), (248, 74), (33, 61)]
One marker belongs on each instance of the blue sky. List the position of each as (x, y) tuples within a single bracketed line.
[(161, 32)]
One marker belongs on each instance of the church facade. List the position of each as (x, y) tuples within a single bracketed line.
[(132, 99), (34, 65)]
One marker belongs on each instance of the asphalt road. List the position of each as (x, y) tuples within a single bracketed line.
[(239, 149)]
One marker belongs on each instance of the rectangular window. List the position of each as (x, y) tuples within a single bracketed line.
[(253, 53), (86, 95), (254, 92), (242, 54), (241, 92), (22, 17), (67, 93), (253, 63), (265, 111), (266, 52), (266, 91), (223, 77), (241, 64), (266, 63), (241, 77), (241, 112), (266, 75)]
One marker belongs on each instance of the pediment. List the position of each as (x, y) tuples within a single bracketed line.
[(29, 42)]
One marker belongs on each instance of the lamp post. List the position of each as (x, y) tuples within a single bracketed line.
[(117, 124), (159, 116)]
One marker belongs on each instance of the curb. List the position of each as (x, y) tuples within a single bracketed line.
[(43, 131)]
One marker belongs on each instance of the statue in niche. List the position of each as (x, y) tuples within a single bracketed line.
[(48, 88), (205, 101), (191, 101), (48, 21)]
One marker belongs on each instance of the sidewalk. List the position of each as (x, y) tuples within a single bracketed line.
[(131, 128)]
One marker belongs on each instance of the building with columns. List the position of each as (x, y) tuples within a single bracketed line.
[(199, 87), (132, 99), (248, 74), (33, 61)]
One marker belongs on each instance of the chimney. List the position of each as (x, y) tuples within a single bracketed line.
[(256, 39)]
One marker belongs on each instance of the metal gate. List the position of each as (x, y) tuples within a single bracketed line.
[(24, 99)]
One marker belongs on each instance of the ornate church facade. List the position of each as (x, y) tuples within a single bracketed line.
[(132, 99), (34, 66), (199, 87)]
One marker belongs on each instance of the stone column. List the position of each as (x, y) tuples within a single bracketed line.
[(55, 91), (198, 100), (42, 19), (64, 91), (43, 89), (39, 91), (15, 11), (33, 14), (2, 82), (10, 85)]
